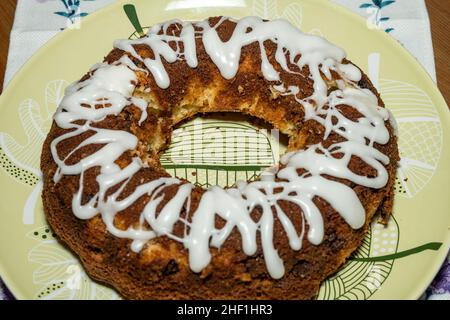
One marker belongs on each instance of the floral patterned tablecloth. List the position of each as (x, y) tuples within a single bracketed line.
[(37, 21)]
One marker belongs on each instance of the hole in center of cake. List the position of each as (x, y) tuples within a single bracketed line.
[(222, 148)]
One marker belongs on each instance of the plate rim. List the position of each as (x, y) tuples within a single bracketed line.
[(444, 116)]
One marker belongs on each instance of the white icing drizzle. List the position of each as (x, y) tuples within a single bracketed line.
[(112, 86)]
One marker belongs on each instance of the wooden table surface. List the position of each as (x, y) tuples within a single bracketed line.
[(439, 11)]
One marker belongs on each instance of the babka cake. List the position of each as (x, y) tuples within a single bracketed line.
[(154, 236)]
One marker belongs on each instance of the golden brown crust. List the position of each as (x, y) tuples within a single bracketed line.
[(161, 270)]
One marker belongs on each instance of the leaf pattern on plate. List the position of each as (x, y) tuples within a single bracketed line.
[(60, 273), (266, 9), (21, 160), (224, 152), (358, 280), (36, 121), (293, 12), (420, 134)]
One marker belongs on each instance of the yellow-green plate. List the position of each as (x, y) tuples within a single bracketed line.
[(397, 262)]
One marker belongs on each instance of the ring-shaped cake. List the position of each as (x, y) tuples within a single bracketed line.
[(153, 236)]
